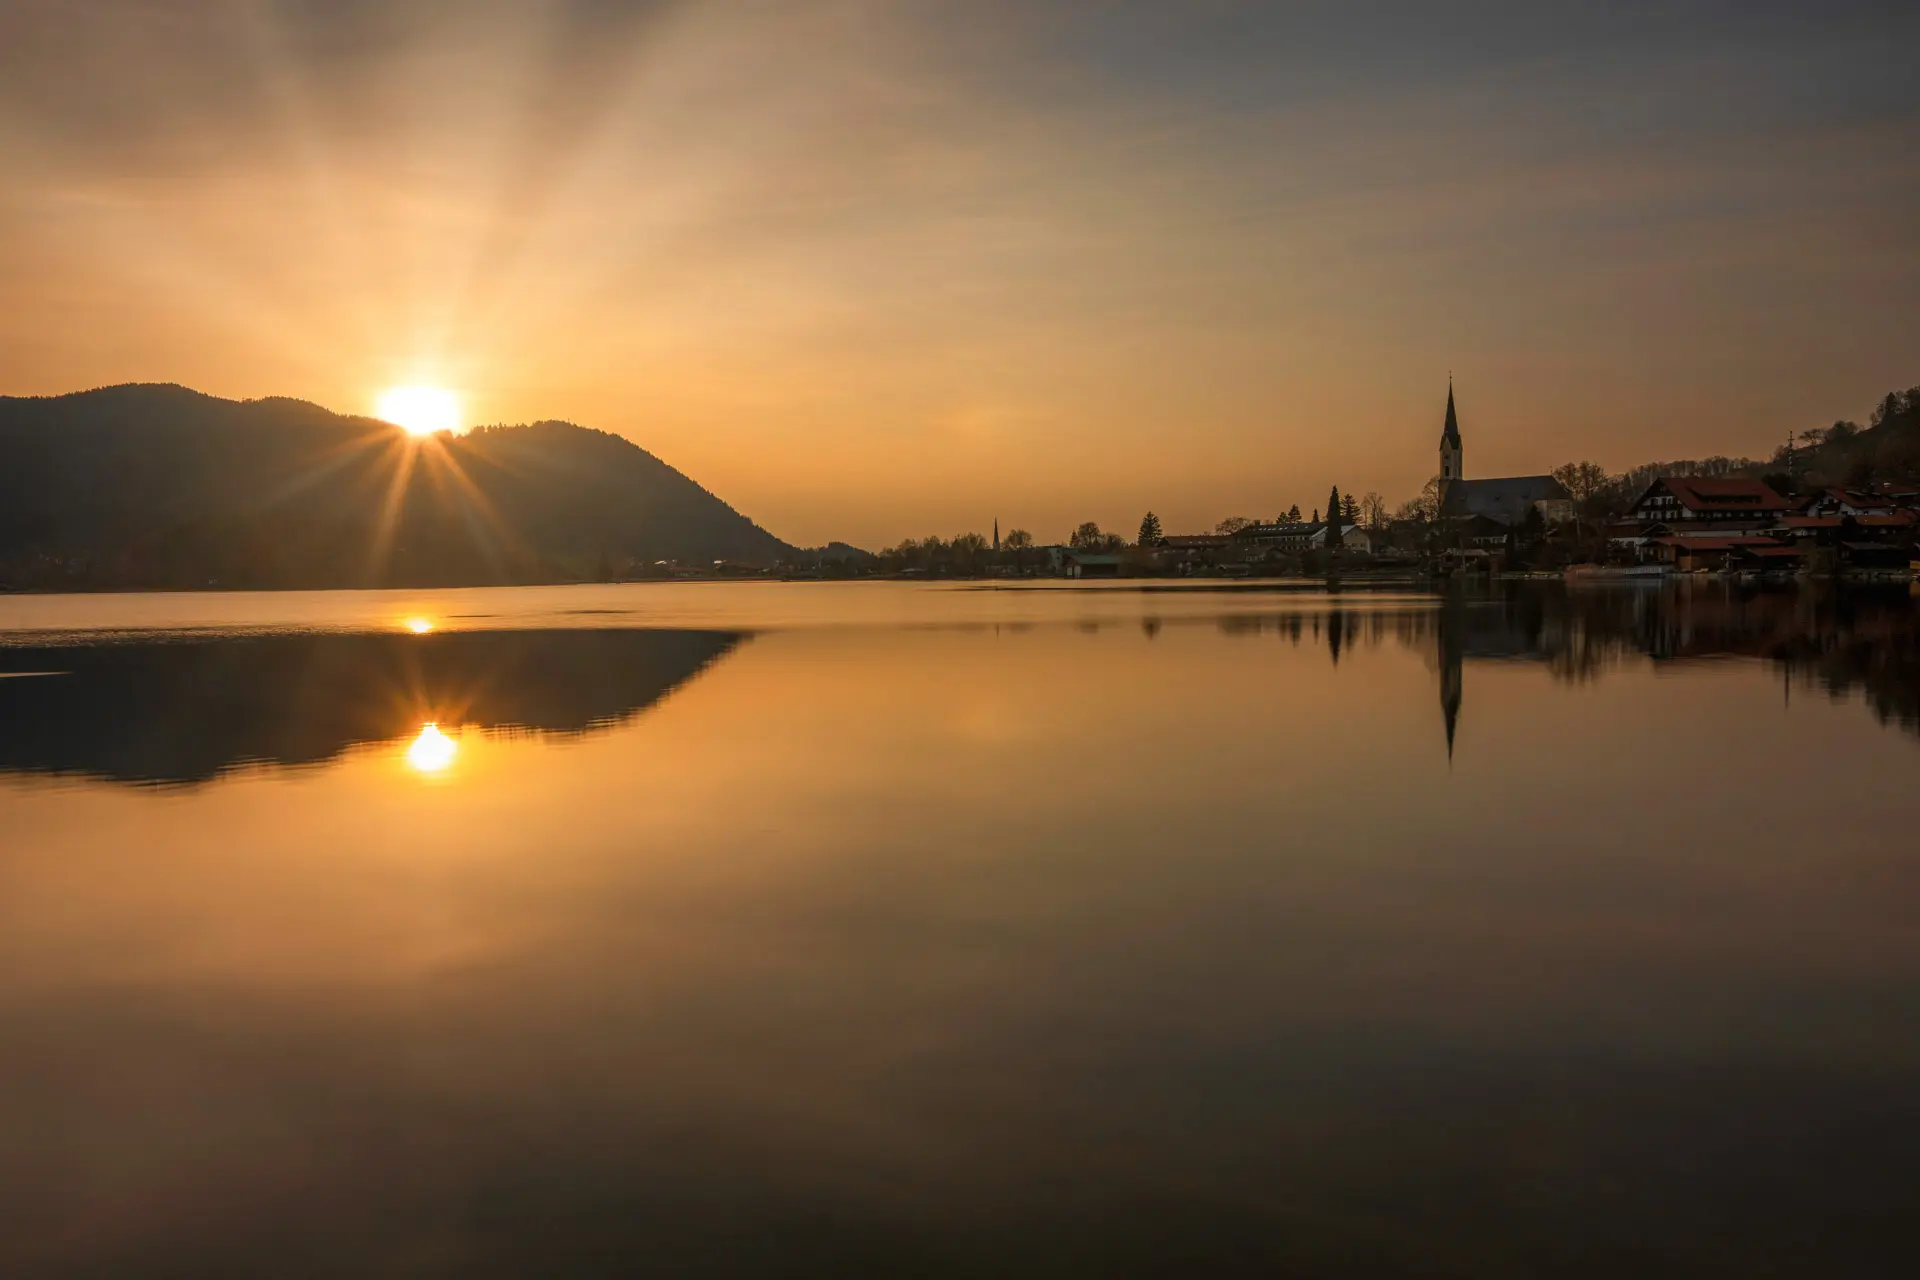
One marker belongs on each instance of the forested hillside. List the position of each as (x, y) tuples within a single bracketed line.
[(160, 486)]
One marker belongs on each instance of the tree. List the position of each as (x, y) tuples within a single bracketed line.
[(1088, 538), (1333, 524), (1373, 509), (968, 550), (1316, 515), (1583, 481), (1293, 514), (1426, 507), (1234, 524), (934, 552), (1349, 509), (1150, 535), (1016, 544)]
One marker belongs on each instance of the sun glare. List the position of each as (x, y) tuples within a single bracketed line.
[(419, 626), (432, 751), (420, 410)]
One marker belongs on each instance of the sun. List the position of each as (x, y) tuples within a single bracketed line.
[(420, 410), (433, 751)]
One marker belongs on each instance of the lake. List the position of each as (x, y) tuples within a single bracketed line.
[(894, 929)]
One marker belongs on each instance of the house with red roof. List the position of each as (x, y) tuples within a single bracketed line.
[(1850, 502), (1710, 503)]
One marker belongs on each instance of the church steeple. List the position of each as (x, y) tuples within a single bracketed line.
[(1452, 452)]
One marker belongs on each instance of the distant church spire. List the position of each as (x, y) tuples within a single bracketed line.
[(996, 535), (1453, 465)]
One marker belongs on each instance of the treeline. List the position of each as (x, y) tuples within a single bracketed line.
[(973, 553), (962, 554), (1845, 453)]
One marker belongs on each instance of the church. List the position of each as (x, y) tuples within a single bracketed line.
[(1502, 502)]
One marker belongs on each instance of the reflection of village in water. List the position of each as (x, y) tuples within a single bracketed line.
[(1839, 642)]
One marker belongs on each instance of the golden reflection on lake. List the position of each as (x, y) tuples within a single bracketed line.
[(1112, 947), (432, 751)]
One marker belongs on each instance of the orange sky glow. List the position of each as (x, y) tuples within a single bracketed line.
[(875, 270)]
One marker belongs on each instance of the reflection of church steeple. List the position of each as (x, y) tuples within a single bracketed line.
[(1336, 630), (1451, 652)]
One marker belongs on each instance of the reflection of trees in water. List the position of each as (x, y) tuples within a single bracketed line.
[(1839, 640), (188, 711), (1341, 630)]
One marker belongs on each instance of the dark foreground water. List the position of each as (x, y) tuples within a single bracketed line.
[(894, 930)]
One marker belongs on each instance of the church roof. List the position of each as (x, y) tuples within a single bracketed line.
[(1450, 434), (1505, 500)]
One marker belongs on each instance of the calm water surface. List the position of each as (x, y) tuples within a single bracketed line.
[(886, 929)]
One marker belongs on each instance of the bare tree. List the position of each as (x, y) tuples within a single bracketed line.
[(1234, 524), (1426, 507), (1373, 510), (1583, 481)]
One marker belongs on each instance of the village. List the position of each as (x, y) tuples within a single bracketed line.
[(1680, 524), (1576, 522)]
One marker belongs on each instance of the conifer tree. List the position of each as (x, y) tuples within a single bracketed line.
[(1150, 535)]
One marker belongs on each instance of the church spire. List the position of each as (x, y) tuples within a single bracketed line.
[(1452, 454)]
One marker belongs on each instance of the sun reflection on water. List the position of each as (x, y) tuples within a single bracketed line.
[(432, 751)]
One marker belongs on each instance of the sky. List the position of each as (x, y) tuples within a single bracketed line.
[(873, 270)]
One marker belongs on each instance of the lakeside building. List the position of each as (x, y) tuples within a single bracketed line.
[(1088, 564), (1711, 524), (1719, 503), (1850, 502), (1305, 535)]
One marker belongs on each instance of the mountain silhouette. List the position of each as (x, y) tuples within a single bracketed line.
[(176, 712), (146, 486)]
